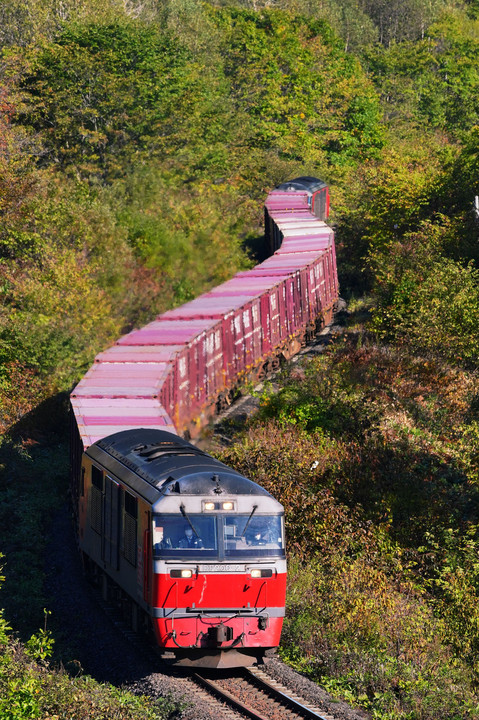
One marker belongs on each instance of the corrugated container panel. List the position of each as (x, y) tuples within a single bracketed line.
[(206, 307), (119, 381), (316, 288), (248, 335), (200, 374), (293, 205), (292, 245), (148, 420), (295, 220), (167, 397), (335, 270), (279, 215), (160, 332), (247, 285), (300, 228), (115, 406), (116, 391), (257, 331), (130, 371), (304, 232), (283, 200), (282, 264), (110, 412), (138, 353)]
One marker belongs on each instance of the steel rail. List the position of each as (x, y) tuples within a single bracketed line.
[(231, 699), (269, 687), (275, 689)]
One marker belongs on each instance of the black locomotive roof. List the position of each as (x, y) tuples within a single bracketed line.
[(310, 184), (154, 462)]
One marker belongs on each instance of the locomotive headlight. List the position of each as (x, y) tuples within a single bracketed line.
[(209, 505), (258, 573), (181, 573), (228, 506)]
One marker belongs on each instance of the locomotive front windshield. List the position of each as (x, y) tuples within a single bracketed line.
[(253, 535), (218, 535), (176, 535)]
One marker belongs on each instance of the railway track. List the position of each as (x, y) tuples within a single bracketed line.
[(253, 694)]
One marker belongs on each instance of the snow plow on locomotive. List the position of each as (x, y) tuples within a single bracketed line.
[(188, 546)]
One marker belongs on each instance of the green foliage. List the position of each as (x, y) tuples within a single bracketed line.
[(324, 401), (434, 79), (397, 21), (426, 299), (436, 311), (371, 640), (299, 87), (186, 234), (84, 92), (29, 690)]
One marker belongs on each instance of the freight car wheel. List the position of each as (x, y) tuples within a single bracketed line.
[(264, 371), (222, 403), (276, 363)]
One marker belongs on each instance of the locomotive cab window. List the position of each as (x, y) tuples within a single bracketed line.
[(253, 534), (185, 536)]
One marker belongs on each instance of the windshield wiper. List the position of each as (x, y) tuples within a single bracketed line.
[(186, 516), (255, 507)]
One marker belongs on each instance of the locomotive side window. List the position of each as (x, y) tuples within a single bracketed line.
[(178, 535), (96, 499), (130, 518)]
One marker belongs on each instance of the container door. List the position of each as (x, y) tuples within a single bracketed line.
[(265, 323), (198, 372), (248, 337), (282, 312), (239, 342), (255, 309), (228, 348), (182, 386)]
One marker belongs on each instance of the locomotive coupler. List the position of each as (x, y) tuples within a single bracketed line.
[(220, 633)]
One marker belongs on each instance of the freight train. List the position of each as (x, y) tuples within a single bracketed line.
[(192, 550)]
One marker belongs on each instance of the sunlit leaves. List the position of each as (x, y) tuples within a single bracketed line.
[(292, 78)]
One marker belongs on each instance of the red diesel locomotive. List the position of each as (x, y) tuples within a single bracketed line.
[(189, 547)]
